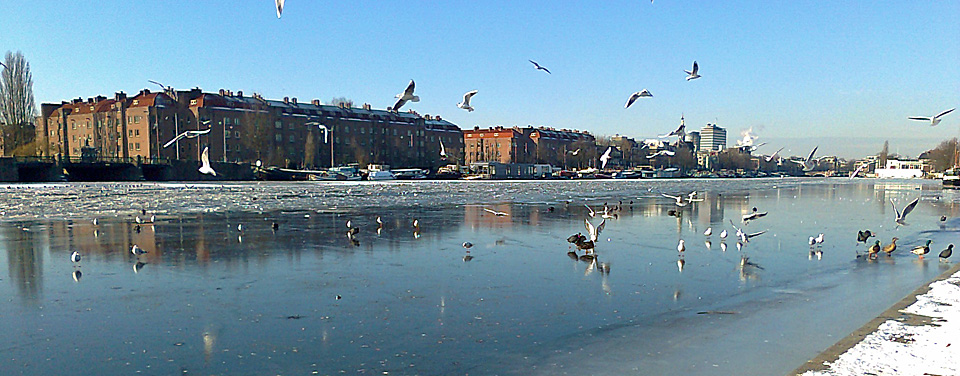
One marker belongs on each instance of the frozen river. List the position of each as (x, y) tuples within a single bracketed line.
[(209, 299)]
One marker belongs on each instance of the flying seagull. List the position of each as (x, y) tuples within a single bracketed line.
[(933, 120), (593, 232), (605, 157), (407, 95), (496, 213), (466, 101), (774, 155), (754, 214), (279, 7), (538, 66), (205, 163), (680, 201), (574, 152), (810, 163), (637, 95), (680, 131), (443, 152), (902, 216), (692, 75), (187, 134), (857, 171), (662, 152)]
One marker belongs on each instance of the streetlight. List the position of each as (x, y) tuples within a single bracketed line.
[(202, 122), (176, 115), (327, 137)]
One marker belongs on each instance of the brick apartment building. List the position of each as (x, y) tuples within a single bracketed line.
[(527, 145), (244, 129)]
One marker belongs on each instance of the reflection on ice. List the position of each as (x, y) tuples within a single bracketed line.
[(514, 309)]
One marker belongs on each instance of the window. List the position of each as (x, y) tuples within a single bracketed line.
[(278, 137), (73, 124), (74, 138), (226, 135), (130, 146), (138, 146), (291, 138), (88, 124), (277, 124), (346, 129), (136, 133), (362, 130), (237, 134)]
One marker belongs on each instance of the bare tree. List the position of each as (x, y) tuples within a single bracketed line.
[(336, 101), (943, 156), (17, 108)]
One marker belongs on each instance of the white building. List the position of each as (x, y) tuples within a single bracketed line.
[(898, 169), (713, 138)]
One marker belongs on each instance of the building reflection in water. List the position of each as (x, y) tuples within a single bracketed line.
[(24, 263)]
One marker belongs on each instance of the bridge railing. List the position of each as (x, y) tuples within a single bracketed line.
[(80, 159)]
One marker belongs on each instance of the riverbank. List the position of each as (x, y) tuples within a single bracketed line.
[(913, 337)]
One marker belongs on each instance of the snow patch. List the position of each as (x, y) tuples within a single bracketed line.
[(898, 349)]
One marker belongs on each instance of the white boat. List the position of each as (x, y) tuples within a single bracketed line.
[(380, 175), (951, 178)]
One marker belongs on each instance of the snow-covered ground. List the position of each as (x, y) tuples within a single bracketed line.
[(900, 349)]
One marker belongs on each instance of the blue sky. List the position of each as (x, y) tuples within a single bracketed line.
[(842, 75)]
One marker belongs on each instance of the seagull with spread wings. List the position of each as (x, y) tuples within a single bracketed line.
[(605, 157), (640, 94), (205, 163), (187, 134), (902, 215), (538, 66), (466, 101), (934, 120), (406, 96), (692, 74), (279, 7)]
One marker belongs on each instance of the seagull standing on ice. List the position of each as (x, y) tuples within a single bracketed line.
[(605, 157), (538, 66), (406, 96), (205, 163), (708, 232), (466, 101), (692, 75), (75, 257), (934, 120), (637, 95)]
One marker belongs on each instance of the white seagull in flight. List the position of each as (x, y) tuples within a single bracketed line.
[(774, 155), (637, 95), (538, 66), (406, 96), (605, 157), (692, 75), (466, 101), (933, 120), (187, 134), (902, 216), (661, 152), (496, 213), (810, 163), (279, 7), (680, 131), (205, 163), (443, 152)]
